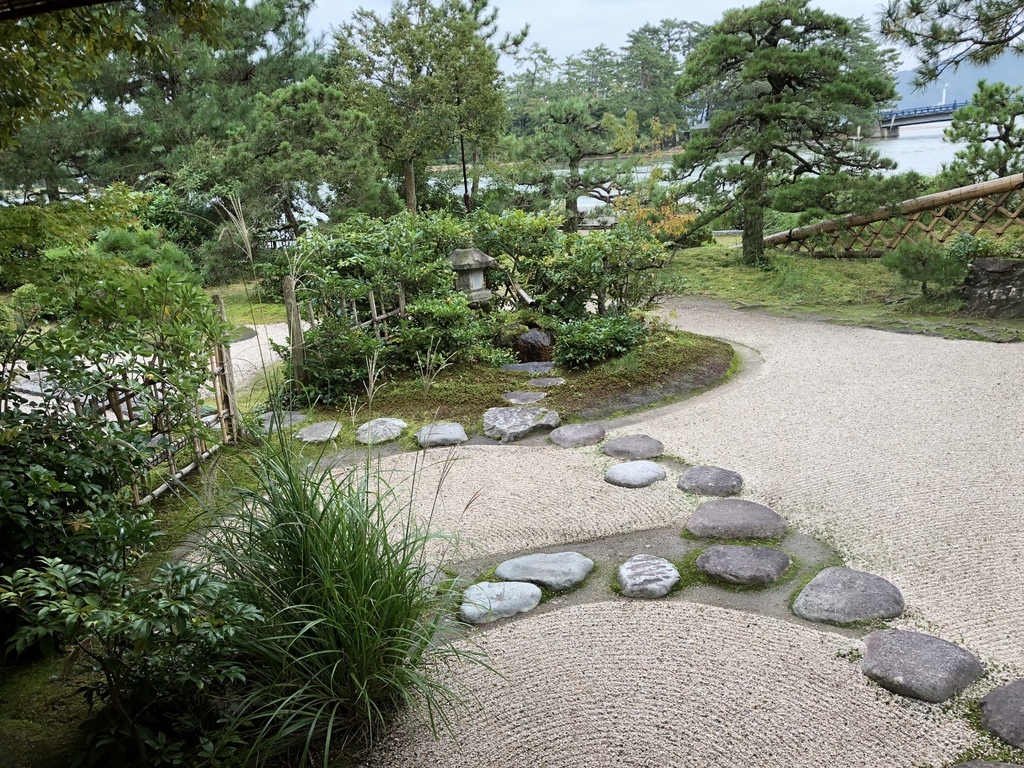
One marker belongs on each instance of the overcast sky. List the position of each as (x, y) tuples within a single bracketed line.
[(569, 26)]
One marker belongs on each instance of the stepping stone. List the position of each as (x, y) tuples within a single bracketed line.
[(843, 595), (486, 602), (283, 420), (744, 565), (557, 571), (524, 398), (1002, 713), (320, 432), (711, 481), (647, 576), (534, 369), (635, 474), (735, 519), (633, 447), (577, 435), (919, 666), (441, 433), (379, 431), (508, 424), (543, 383)]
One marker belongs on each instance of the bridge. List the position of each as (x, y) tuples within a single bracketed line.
[(891, 120)]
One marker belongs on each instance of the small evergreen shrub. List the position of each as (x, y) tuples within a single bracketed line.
[(930, 264), (585, 342)]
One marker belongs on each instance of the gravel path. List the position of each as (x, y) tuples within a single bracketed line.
[(906, 453), (251, 356)]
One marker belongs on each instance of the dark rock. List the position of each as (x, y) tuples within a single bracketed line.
[(555, 571), (735, 519), (633, 447), (577, 435), (1002, 713), (635, 474), (534, 369), (534, 346), (843, 595), (995, 288), (743, 565), (524, 398), (711, 481), (647, 576), (508, 424), (918, 665)]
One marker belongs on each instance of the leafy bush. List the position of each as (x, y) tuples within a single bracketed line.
[(336, 355), (929, 263), (141, 248), (587, 341)]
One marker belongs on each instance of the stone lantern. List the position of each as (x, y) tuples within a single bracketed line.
[(469, 265)]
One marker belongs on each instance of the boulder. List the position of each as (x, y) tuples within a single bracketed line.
[(647, 576), (577, 435), (271, 421), (487, 601), (842, 596), (743, 565), (534, 369), (1002, 713), (534, 346), (320, 432), (995, 288), (711, 481), (441, 433), (635, 474), (509, 424), (735, 519), (633, 447), (919, 666), (555, 571), (524, 398), (379, 431)]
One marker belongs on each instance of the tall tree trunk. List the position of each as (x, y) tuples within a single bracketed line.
[(476, 175), (410, 186), (572, 204), (465, 178), (752, 204)]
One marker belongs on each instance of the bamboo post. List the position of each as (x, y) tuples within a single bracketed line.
[(374, 319), (295, 337), (226, 374)]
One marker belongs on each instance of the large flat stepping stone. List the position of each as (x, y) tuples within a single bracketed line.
[(441, 433), (508, 424), (635, 474), (380, 431), (842, 595), (534, 369), (555, 571), (487, 601), (919, 666), (320, 432), (647, 576), (735, 519), (711, 481), (633, 447), (524, 398), (577, 435), (1002, 713), (545, 383), (270, 421), (743, 565)]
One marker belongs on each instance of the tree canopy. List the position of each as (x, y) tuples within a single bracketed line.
[(990, 126)]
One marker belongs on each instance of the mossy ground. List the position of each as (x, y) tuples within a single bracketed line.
[(243, 308)]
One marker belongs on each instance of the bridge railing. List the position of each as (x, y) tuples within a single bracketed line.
[(933, 110)]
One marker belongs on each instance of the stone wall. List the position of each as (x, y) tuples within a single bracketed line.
[(995, 288)]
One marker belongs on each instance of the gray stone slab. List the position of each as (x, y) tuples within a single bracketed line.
[(1002, 713), (711, 481), (633, 447), (735, 519), (919, 666), (555, 571), (534, 369), (743, 565), (647, 576), (577, 435), (380, 431), (509, 424), (284, 420), (635, 474), (487, 601), (524, 398), (842, 595), (320, 432), (441, 433), (544, 383)]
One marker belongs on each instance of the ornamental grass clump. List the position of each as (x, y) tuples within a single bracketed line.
[(355, 626)]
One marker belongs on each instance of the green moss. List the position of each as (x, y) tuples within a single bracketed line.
[(242, 308), (39, 715), (690, 575), (989, 747)]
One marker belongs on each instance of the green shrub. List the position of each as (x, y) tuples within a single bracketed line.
[(929, 263), (141, 248), (336, 355), (591, 340)]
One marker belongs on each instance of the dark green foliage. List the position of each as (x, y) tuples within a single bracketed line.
[(141, 248), (929, 264), (990, 126), (590, 340), (336, 355)]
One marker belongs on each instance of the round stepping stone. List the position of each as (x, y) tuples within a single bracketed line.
[(577, 435), (320, 432), (843, 595), (711, 481), (633, 447), (919, 666), (647, 576), (379, 431), (735, 519), (635, 474), (533, 369), (508, 424), (441, 433), (283, 420), (524, 398), (744, 565), (556, 571), (1002, 713), (543, 383), (487, 601)]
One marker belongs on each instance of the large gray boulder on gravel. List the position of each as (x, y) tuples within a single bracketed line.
[(488, 601), (509, 424), (842, 596), (711, 481), (735, 519), (633, 447), (1002, 713), (918, 665), (755, 566), (555, 571)]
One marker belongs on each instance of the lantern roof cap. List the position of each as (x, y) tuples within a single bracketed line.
[(463, 259)]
